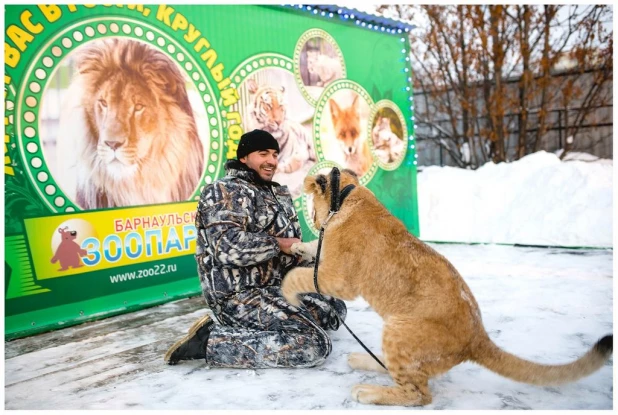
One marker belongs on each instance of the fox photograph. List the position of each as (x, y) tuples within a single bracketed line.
[(121, 125), (343, 131)]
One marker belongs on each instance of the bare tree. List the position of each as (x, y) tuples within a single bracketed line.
[(523, 20), (488, 69), (585, 97)]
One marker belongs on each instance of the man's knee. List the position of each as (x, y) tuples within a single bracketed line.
[(321, 347)]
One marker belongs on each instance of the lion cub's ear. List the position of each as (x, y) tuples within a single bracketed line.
[(315, 184), (348, 177)]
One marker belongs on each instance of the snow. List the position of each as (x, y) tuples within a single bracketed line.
[(538, 200), (549, 305), (546, 305)]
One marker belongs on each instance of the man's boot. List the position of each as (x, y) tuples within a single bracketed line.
[(193, 345)]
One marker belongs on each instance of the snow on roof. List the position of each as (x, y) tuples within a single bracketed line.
[(365, 17)]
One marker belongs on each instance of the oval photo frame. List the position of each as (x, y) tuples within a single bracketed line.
[(318, 61), (48, 60), (387, 135), (338, 139)]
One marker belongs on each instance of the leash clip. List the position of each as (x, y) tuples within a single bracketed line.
[(330, 215)]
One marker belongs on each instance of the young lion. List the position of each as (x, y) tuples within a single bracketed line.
[(431, 319)]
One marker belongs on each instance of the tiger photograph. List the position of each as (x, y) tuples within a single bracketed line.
[(272, 102)]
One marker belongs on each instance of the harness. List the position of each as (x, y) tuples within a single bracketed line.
[(337, 199)]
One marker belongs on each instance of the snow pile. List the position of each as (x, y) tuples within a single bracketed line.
[(538, 200)]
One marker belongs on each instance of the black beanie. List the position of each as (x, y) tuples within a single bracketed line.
[(256, 140)]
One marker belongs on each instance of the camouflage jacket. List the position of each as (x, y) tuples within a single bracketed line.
[(238, 218)]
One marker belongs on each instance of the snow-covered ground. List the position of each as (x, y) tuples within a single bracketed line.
[(547, 305), (538, 200)]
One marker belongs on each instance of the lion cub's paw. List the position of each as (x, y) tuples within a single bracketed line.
[(288, 291), (366, 394), (363, 361), (355, 360), (358, 361), (306, 250)]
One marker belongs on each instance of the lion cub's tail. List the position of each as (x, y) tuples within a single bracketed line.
[(513, 367)]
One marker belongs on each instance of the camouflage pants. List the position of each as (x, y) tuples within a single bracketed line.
[(259, 329)]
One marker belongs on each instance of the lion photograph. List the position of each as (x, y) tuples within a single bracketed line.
[(432, 321), (127, 132)]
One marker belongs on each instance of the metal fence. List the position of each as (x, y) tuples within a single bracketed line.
[(595, 136)]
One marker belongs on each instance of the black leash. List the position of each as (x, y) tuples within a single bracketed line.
[(336, 201)]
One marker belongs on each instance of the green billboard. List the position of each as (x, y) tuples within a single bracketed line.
[(116, 117)]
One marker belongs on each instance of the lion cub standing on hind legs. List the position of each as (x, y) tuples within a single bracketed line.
[(431, 319)]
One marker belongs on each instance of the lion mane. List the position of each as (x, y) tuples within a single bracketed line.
[(135, 136)]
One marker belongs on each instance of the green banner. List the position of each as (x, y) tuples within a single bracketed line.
[(116, 117)]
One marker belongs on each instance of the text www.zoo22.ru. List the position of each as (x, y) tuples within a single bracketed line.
[(143, 273)]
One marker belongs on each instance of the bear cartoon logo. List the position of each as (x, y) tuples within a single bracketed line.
[(69, 253)]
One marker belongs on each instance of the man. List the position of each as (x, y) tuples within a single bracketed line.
[(246, 224)]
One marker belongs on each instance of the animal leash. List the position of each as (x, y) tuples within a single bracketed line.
[(336, 200)]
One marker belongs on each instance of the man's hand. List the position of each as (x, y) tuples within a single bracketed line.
[(285, 244)]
